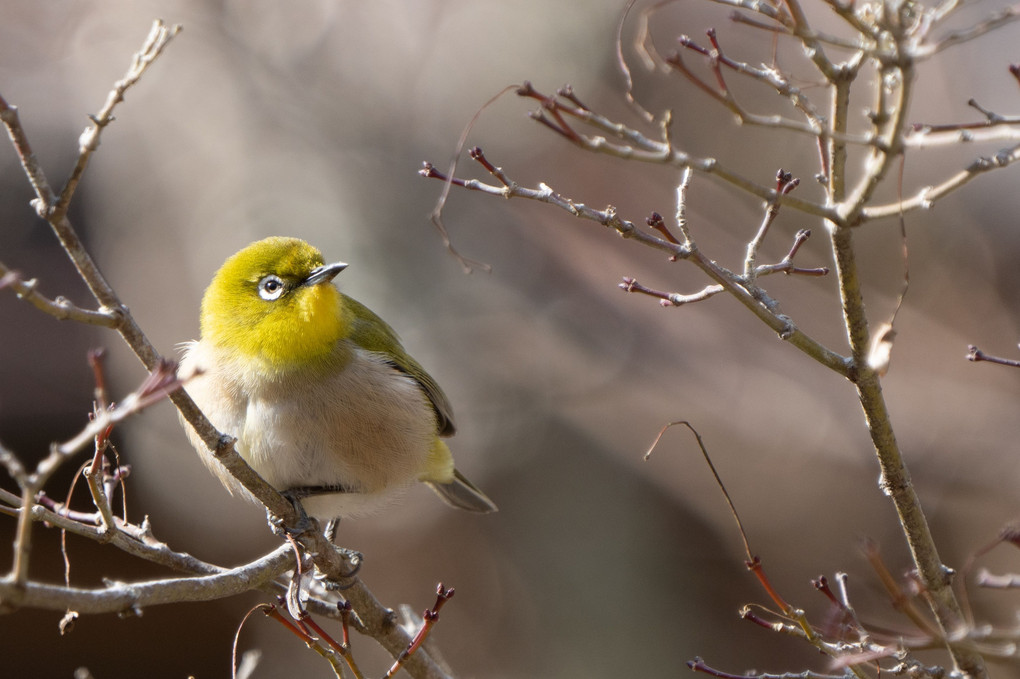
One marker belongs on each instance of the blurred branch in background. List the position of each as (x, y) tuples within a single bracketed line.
[(879, 47)]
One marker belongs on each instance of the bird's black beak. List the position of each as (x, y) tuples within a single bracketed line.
[(324, 273)]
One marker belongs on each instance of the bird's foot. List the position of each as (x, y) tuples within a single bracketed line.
[(354, 558), (346, 580), (303, 524)]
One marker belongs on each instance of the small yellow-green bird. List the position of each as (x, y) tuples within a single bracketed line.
[(324, 402)]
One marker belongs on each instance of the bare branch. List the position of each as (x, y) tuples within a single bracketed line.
[(159, 37), (153, 389), (544, 194), (120, 597), (976, 355), (1005, 16), (984, 578), (641, 148), (681, 203), (698, 665), (670, 298), (966, 130), (429, 619), (927, 196), (751, 296), (785, 183), (769, 76), (814, 47)]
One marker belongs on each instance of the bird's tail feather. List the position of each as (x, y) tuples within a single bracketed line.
[(462, 494)]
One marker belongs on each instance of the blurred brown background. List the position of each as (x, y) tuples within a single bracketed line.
[(311, 118)]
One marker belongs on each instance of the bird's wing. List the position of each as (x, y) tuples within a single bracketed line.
[(372, 333)]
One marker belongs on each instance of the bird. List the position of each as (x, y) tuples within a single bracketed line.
[(323, 400)]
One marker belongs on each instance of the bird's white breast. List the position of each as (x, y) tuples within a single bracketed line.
[(361, 424)]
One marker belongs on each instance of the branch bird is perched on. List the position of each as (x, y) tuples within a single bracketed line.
[(325, 403)]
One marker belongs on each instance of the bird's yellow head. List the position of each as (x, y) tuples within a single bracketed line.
[(273, 303)]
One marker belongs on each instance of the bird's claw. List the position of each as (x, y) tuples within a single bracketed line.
[(346, 580), (303, 524)]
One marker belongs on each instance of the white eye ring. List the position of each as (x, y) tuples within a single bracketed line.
[(270, 288)]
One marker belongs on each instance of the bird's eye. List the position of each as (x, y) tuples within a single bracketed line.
[(270, 288)]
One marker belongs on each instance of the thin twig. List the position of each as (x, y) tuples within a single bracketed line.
[(544, 194), (927, 196), (159, 37), (670, 298), (153, 389), (1005, 16), (60, 308), (644, 149), (752, 297), (785, 182), (976, 355), (429, 618), (772, 77)]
